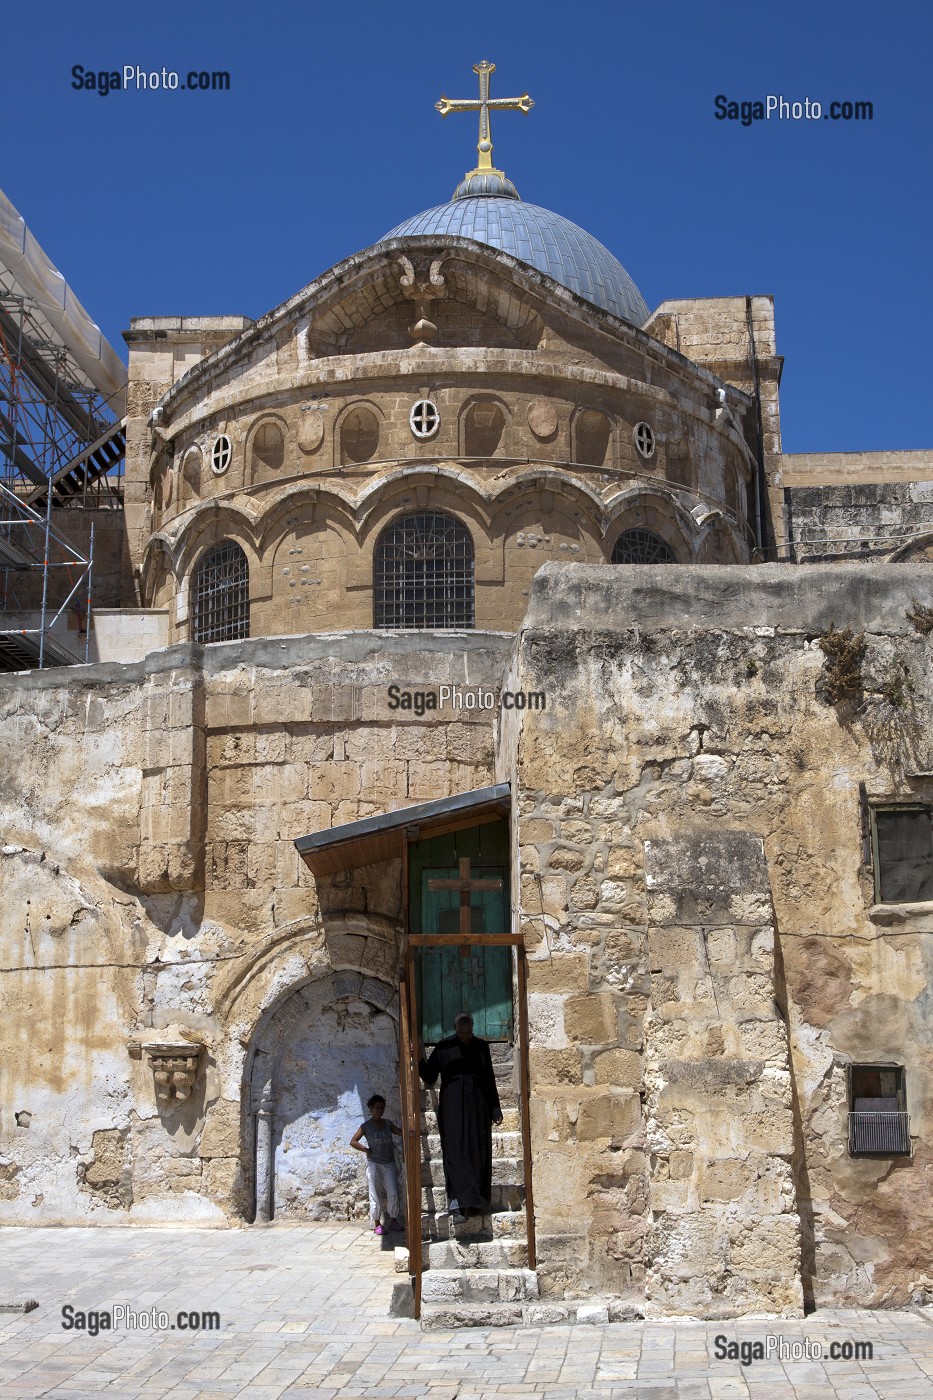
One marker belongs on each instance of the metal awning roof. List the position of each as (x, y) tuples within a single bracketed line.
[(25, 270), (378, 839), (19, 651)]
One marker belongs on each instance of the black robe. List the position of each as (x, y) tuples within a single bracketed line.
[(468, 1103)]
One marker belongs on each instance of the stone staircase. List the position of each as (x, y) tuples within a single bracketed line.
[(476, 1271)]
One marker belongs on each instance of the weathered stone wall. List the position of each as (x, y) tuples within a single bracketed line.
[(735, 338), (861, 520), (725, 1232), (152, 893), (665, 1124)]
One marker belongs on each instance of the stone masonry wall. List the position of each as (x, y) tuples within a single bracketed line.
[(725, 1232), (151, 893), (858, 520), (676, 1146)]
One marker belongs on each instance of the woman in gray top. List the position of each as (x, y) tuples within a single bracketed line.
[(380, 1163)]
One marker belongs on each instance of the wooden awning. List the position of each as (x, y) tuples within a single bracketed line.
[(378, 839)]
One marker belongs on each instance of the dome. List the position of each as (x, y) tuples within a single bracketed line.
[(537, 236)]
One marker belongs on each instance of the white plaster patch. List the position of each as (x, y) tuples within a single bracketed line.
[(335, 1058)]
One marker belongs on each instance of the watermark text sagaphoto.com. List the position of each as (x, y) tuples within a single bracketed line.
[(777, 107), (457, 697), (132, 78), (774, 1347), (121, 1315)]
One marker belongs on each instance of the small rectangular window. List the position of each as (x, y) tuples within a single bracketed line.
[(879, 1124), (903, 851)]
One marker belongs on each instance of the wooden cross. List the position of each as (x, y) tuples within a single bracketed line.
[(465, 885), (484, 106)]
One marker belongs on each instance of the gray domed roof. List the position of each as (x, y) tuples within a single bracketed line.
[(547, 241)]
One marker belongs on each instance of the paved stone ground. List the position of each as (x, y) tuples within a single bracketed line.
[(303, 1313)]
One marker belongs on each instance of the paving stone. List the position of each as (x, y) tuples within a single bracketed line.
[(327, 1291)]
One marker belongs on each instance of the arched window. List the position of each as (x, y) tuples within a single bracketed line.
[(359, 436), (590, 438), (268, 447), (641, 547), (221, 594), (424, 573), (483, 426)]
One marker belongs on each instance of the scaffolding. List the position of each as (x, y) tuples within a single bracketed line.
[(62, 445)]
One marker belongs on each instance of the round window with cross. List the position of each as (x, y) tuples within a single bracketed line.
[(220, 455), (644, 439), (424, 419)]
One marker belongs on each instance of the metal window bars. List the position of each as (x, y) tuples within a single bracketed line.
[(424, 574), (221, 594), (884, 1133), (641, 547)]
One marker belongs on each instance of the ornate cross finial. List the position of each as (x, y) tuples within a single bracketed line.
[(484, 106)]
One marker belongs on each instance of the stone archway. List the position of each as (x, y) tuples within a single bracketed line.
[(316, 1058)]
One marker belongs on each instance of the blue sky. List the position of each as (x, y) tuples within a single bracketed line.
[(209, 203)]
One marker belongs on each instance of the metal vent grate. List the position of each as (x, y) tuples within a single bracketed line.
[(887, 1133), (221, 595), (424, 573), (641, 547)]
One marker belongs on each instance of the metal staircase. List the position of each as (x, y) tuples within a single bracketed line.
[(93, 462)]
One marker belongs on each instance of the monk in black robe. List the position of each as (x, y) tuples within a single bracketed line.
[(469, 1105)]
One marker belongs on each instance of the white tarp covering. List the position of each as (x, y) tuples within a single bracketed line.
[(38, 279)]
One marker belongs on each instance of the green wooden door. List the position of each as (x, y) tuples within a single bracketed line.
[(477, 978)]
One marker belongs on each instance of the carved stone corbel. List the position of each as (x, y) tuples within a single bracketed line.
[(422, 290), (174, 1069)]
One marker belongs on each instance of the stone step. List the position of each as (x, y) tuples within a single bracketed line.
[(506, 1171), (465, 1253), (443, 1316), (596, 1311), (455, 1286), (511, 1120), (505, 1223), (503, 1145)]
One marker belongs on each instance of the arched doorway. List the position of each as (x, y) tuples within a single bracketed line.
[(317, 1057)]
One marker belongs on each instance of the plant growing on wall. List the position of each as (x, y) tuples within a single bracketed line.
[(840, 680), (921, 616), (897, 686)]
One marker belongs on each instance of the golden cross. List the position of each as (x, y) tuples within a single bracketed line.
[(466, 886), (484, 106)]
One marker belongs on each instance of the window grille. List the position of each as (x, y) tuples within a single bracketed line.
[(882, 1132), (644, 439), (424, 573), (424, 419), (221, 594), (221, 453), (879, 1123), (641, 547)]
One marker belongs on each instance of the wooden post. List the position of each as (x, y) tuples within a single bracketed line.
[(413, 1170), (408, 1069), (524, 1095)]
